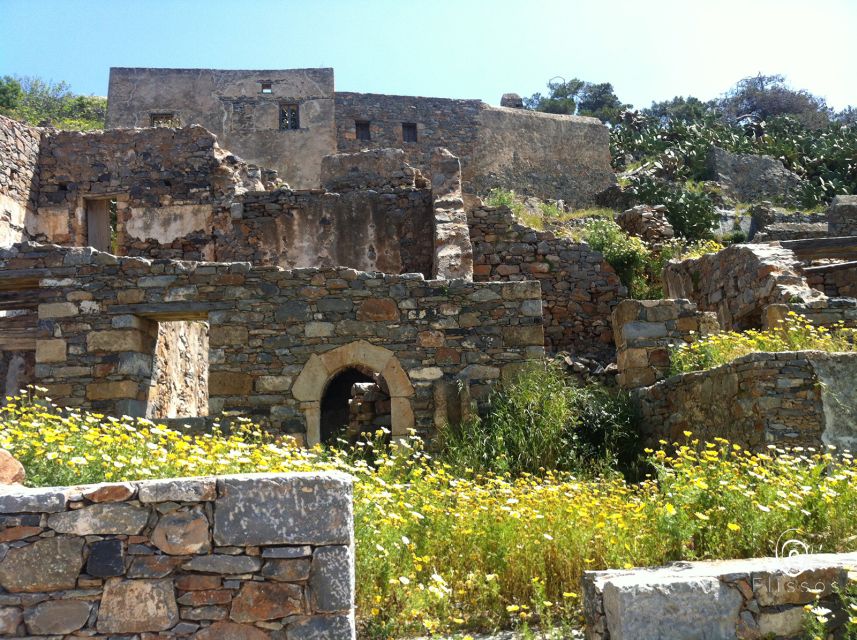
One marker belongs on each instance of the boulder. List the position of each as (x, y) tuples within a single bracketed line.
[(11, 471)]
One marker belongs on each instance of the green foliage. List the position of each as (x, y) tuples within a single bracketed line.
[(577, 97), (627, 254), (796, 333), (762, 97), (690, 211), (36, 101), (679, 108), (542, 420)]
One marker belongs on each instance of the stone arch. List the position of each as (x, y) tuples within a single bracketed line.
[(319, 370)]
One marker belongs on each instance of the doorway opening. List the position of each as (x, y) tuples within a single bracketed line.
[(101, 214), (179, 382), (355, 401)]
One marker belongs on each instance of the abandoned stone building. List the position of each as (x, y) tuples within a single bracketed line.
[(128, 247), (288, 120)]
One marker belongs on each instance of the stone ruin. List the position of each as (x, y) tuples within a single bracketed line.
[(126, 247)]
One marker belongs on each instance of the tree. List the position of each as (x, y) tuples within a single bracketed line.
[(578, 97), (10, 94), (761, 97), (687, 109)]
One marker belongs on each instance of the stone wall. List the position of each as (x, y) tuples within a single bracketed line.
[(19, 179), (165, 182), (579, 289), (801, 398), (836, 280), (541, 154), (755, 598), (739, 282), (241, 107), (440, 122), (822, 313), (645, 330), (842, 216), (276, 337), (255, 556)]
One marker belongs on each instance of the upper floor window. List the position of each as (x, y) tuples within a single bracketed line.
[(363, 131), (267, 87), (409, 132), (164, 120), (289, 116)]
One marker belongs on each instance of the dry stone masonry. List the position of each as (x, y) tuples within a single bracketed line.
[(255, 557), (731, 599)]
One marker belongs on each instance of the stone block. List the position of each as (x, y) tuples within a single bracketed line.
[(57, 617), (332, 580), (50, 564), (137, 606), (522, 336), (298, 508), (10, 618), (229, 383), (224, 564), (110, 492), (177, 490), (51, 310), (116, 340), (258, 601), (696, 607), (273, 384), (378, 310), (26, 500), (295, 570), (231, 631), (182, 533), (318, 329), (50, 350), (101, 519), (322, 628), (106, 559), (227, 335)]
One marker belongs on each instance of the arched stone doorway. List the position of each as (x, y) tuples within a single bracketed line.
[(320, 370)]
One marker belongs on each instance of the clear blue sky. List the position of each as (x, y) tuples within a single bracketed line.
[(648, 49)]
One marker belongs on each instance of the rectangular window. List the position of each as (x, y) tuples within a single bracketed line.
[(362, 128), (165, 120), (409, 132), (267, 87), (289, 117)]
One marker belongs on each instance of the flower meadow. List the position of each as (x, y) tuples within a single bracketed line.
[(794, 333), (443, 549)]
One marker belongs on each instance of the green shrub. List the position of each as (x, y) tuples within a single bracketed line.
[(542, 420), (628, 255), (690, 211)]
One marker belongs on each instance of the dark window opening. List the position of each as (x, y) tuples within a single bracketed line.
[(168, 120), (101, 217), (289, 117), (362, 129), (409, 132), (267, 87), (355, 402)]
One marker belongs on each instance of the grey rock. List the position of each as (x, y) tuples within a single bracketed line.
[(10, 618), (321, 628), (228, 565), (295, 508), (178, 490), (332, 579), (295, 570), (136, 606), (50, 564), (287, 552), (15, 499), (696, 608), (101, 519), (57, 617)]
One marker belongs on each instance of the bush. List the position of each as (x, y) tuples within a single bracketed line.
[(628, 255), (796, 333), (691, 212), (542, 420)]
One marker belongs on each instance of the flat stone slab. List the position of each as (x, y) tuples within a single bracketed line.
[(50, 564), (14, 499), (101, 519), (177, 490), (299, 508), (137, 606)]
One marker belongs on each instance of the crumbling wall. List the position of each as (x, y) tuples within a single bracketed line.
[(756, 400), (165, 183), (739, 282), (19, 180), (842, 216), (179, 371), (540, 154), (579, 288), (212, 558), (835, 280), (440, 122), (241, 107), (270, 329), (645, 330)]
